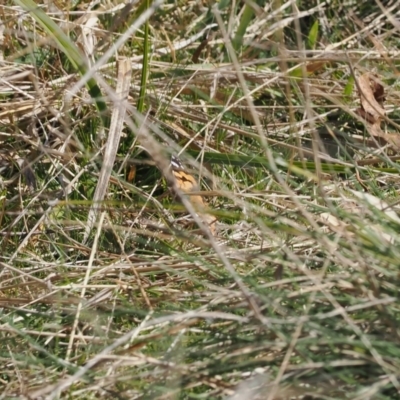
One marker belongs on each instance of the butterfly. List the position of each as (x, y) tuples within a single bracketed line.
[(185, 181), (188, 184)]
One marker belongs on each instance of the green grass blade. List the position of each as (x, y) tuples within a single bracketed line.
[(258, 162), (313, 35), (247, 16)]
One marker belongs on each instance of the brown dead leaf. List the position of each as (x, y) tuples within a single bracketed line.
[(207, 38), (316, 66), (131, 174), (378, 91), (372, 96), (364, 115)]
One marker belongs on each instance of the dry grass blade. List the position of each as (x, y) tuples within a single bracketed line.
[(111, 147)]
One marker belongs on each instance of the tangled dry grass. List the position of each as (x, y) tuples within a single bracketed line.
[(113, 287)]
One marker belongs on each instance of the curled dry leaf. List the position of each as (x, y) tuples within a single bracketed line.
[(372, 97)]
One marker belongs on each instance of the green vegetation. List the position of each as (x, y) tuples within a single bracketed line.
[(113, 287)]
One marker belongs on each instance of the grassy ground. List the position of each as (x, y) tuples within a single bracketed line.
[(113, 287)]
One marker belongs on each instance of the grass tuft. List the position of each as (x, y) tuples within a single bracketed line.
[(115, 284)]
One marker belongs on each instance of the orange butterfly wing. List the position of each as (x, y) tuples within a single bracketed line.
[(187, 183)]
